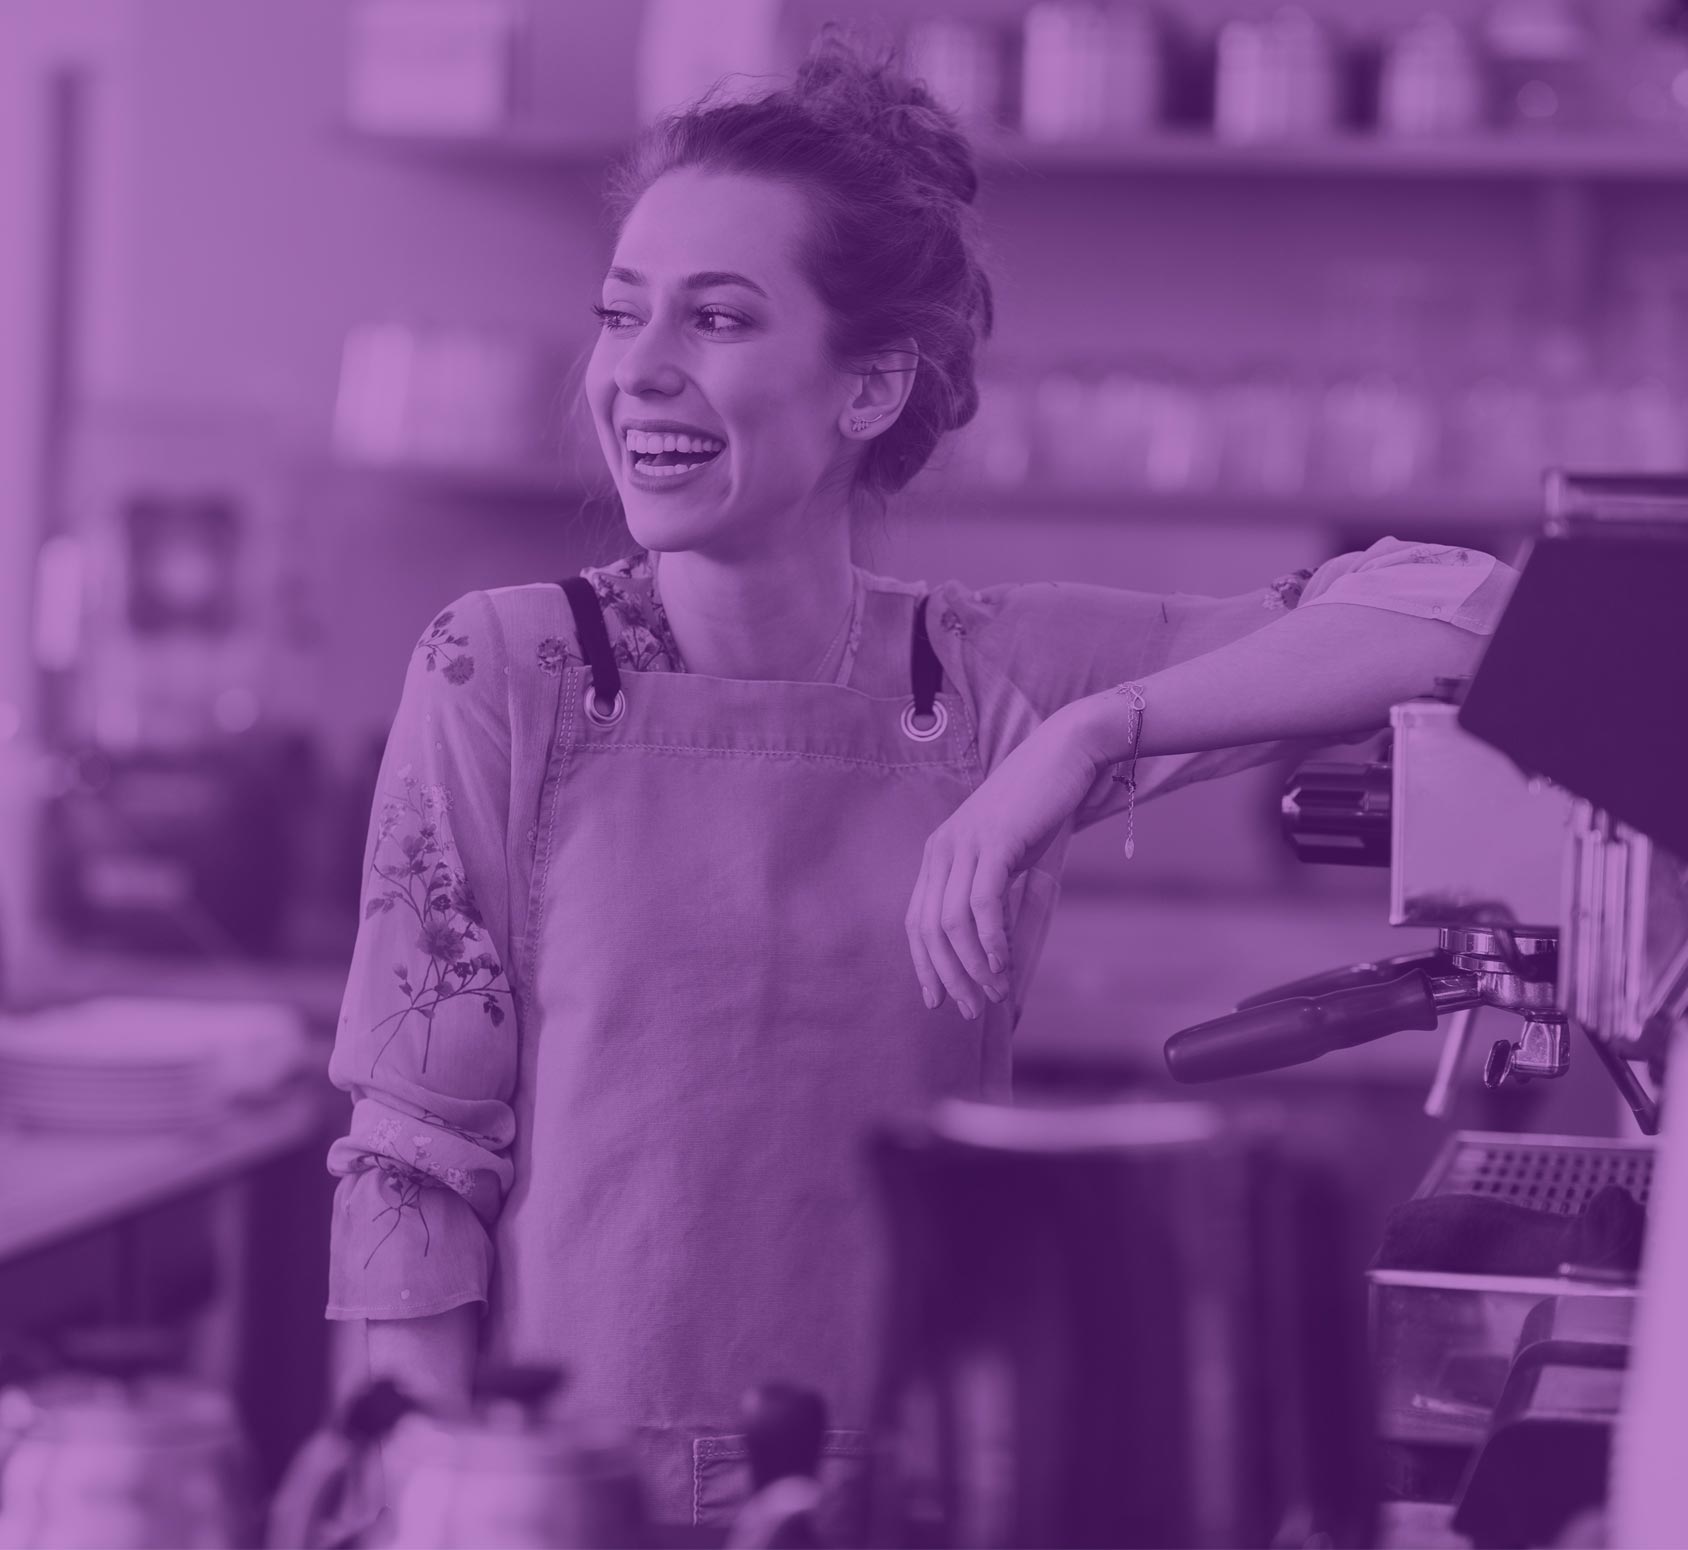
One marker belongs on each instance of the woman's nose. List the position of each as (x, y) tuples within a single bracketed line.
[(647, 364)]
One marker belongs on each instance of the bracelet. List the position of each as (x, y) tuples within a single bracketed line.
[(1129, 780)]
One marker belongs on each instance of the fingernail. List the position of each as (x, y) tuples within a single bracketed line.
[(993, 993), (996, 964), (969, 1011), (930, 999)]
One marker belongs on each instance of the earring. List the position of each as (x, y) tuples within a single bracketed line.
[(861, 425)]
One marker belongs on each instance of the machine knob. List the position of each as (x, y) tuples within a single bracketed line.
[(1339, 813), (1544, 1051)]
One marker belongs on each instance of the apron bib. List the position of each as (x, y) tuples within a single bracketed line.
[(720, 1002)]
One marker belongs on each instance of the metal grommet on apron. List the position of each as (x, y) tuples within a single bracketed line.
[(605, 688), (927, 674)]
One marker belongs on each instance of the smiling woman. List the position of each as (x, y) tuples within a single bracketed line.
[(704, 828), (798, 280)]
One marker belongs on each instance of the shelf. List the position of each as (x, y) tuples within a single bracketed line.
[(1523, 157), (1527, 156), (513, 145), (551, 487), (1445, 509)]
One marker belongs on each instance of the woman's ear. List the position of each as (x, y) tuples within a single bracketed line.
[(882, 388)]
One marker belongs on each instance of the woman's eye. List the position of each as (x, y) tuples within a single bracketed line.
[(720, 314), (713, 320)]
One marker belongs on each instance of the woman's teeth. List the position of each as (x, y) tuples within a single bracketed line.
[(654, 444), (668, 454), (668, 470)]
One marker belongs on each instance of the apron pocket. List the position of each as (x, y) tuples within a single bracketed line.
[(721, 1483)]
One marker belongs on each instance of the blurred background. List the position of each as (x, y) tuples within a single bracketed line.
[(291, 296)]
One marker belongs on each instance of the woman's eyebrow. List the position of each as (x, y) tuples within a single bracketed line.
[(703, 280)]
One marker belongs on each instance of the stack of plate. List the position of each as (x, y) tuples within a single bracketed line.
[(122, 1064)]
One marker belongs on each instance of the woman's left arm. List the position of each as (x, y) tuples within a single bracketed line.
[(1390, 621), (1320, 672)]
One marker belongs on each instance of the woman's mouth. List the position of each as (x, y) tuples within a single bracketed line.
[(669, 470)]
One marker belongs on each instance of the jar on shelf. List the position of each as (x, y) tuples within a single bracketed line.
[(1642, 64), (994, 449), (1645, 369), (1067, 446), (1263, 419), (1376, 428), (1090, 71), (1542, 63), (1277, 78), (964, 64), (1579, 410), (1496, 444), (1156, 430), (1433, 81)]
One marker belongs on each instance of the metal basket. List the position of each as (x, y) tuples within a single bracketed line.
[(1543, 1173)]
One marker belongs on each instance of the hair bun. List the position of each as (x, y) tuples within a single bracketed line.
[(928, 135), (871, 95)]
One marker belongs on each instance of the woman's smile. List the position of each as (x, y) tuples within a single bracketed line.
[(669, 470)]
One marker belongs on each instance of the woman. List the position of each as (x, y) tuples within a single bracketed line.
[(679, 883)]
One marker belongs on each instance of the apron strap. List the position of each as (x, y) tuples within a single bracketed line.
[(594, 638), (926, 671)]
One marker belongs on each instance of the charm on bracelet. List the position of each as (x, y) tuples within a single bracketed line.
[(1129, 779)]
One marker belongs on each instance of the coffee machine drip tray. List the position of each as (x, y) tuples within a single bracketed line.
[(1444, 1340)]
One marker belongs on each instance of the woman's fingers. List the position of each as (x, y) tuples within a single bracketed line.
[(914, 923), (961, 929), (990, 896), (954, 924), (933, 944)]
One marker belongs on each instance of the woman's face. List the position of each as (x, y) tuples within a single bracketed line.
[(710, 331)]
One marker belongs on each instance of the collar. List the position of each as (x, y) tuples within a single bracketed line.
[(644, 640)]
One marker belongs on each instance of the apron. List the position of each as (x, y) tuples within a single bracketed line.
[(720, 1002)]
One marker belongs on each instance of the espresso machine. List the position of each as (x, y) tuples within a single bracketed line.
[(1532, 816)]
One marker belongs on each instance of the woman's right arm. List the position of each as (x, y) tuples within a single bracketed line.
[(427, 1039)]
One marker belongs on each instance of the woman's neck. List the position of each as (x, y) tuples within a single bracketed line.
[(775, 617)]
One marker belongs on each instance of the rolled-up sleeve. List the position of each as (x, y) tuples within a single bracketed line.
[(427, 1039), (1042, 645)]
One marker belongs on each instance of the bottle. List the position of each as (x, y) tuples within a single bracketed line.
[(783, 1427)]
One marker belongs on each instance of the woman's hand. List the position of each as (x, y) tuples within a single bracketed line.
[(956, 925)]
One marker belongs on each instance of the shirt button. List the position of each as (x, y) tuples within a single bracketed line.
[(405, 1294)]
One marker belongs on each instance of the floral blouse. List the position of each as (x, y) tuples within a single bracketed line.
[(428, 1044)]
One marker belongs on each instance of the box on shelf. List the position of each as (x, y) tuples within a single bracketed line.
[(437, 66), (448, 398)]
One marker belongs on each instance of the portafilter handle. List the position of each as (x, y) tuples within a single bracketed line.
[(1379, 973), (1291, 1031)]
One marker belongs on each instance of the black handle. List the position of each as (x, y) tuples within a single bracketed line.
[(1301, 1028), (373, 1411), (784, 1428), (529, 1387), (1378, 973)]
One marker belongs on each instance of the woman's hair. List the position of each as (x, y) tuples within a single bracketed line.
[(892, 248)]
